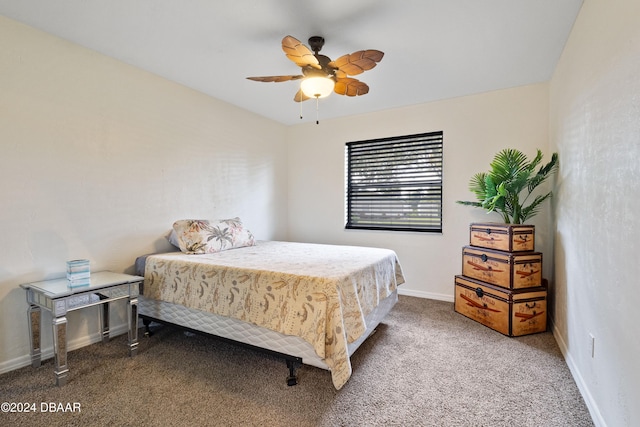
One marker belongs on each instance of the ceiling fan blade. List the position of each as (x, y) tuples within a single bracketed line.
[(358, 62), (339, 74), (299, 53), (300, 96), (276, 79), (350, 87)]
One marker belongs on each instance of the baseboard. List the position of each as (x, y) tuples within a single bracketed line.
[(427, 295), (577, 377), (47, 352)]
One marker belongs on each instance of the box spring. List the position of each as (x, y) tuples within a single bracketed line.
[(251, 334)]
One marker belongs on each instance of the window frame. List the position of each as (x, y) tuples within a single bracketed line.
[(423, 184)]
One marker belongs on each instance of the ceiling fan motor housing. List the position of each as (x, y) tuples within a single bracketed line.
[(324, 71), (316, 43)]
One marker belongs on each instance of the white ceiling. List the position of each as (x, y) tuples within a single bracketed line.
[(434, 49)]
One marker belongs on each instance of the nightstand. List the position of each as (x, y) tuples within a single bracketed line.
[(58, 298)]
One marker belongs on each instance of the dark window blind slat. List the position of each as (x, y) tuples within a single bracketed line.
[(395, 183)]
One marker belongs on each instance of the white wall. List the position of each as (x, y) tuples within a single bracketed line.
[(97, 159), (475, 129), (595, 127)]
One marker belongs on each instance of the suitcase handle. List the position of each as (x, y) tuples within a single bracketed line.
[(530, 306), (480, 293)]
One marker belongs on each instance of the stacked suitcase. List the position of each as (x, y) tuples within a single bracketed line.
[(501, 285)]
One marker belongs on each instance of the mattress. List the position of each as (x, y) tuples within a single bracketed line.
[(331, 297)]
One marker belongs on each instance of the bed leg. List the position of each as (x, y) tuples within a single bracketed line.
[(147, 331), (292, 379)]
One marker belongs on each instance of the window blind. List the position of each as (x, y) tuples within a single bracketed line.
[(395, 183)]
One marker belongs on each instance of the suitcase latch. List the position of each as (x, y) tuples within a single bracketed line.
[(479, 292)]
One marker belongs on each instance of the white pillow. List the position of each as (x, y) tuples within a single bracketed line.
[(196, 236)]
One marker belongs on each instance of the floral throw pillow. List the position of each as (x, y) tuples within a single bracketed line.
[(197, 236)]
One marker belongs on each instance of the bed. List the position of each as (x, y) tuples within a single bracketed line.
[(311, 303)]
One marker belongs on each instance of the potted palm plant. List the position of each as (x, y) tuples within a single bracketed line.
[(506, 188)]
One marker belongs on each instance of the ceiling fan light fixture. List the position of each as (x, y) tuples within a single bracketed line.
[(317, 87)]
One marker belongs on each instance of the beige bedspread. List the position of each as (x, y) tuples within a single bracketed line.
[(320, 293)]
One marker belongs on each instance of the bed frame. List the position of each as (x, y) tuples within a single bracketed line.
[(294, 350)]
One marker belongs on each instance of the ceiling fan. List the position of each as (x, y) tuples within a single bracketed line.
[(320, 75)]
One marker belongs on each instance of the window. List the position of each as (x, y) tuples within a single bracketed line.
[(395, 183)]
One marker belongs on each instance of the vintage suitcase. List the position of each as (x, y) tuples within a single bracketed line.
[(510, 270), (510, 312), (503, 237)]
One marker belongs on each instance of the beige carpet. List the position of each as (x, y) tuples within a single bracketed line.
[(425, 366)]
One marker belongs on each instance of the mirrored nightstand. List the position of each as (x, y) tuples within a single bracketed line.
[(58, 298)]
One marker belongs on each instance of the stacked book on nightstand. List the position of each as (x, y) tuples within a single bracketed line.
[(78, 273)]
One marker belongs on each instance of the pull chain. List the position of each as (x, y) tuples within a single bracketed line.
[(317, 108)]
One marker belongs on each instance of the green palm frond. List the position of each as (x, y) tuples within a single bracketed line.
[(474, 204), (531, 210), (544, 172), (478, 186), (506, 164), (511, 180)]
